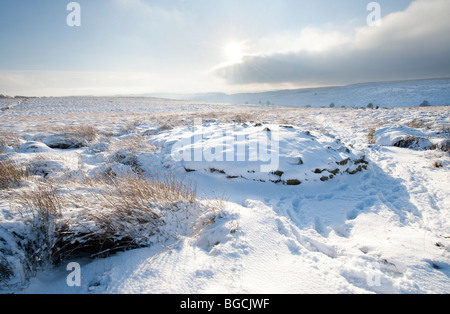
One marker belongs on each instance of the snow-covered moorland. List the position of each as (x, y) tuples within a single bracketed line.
[(156, 196)]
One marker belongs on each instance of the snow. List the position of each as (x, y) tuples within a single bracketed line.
[(291, 153), (390, 135), (382, 229), (383, 94)]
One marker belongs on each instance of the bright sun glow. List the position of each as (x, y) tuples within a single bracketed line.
[(233, 51)]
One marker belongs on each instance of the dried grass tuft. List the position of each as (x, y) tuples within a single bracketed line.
[(123, 212), (11, 174), (41, 208), (77, 136), (371, 136), (9, 140)]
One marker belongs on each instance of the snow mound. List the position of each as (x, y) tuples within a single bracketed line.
[(263, 152), (35, 147), (391, 135), (405, 137), (47, 168)]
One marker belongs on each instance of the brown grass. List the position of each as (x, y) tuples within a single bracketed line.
[(11, 174), (134, 143), (42, 209), (371, 132), (134, 191), (244, 117), (371, 136), (418, 124), (131, 126), (84, 134), (44, 202), (209, 216), (9, 139), (122, 212), (113, 214)]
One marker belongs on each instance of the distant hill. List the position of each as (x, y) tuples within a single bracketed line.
[(383, 94)]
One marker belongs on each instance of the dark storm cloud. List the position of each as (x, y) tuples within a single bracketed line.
[(410, 44)]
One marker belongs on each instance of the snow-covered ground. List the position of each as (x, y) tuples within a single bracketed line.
[(338, 201), (382, 94)]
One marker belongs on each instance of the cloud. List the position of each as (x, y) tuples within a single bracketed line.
[(160, 10), (61, 83), (409, 44)]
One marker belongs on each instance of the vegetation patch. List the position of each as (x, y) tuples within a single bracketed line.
[(278, 173), (98, 218), (293, 182), (72, 137), (11, 174), (214, 170)]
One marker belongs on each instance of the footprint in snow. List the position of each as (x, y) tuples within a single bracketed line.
[(325, 197), (318, 226), (282, 228), (368, 203), (290, 240), (296, 205)]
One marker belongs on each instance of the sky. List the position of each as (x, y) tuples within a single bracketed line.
[(196, 46)]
